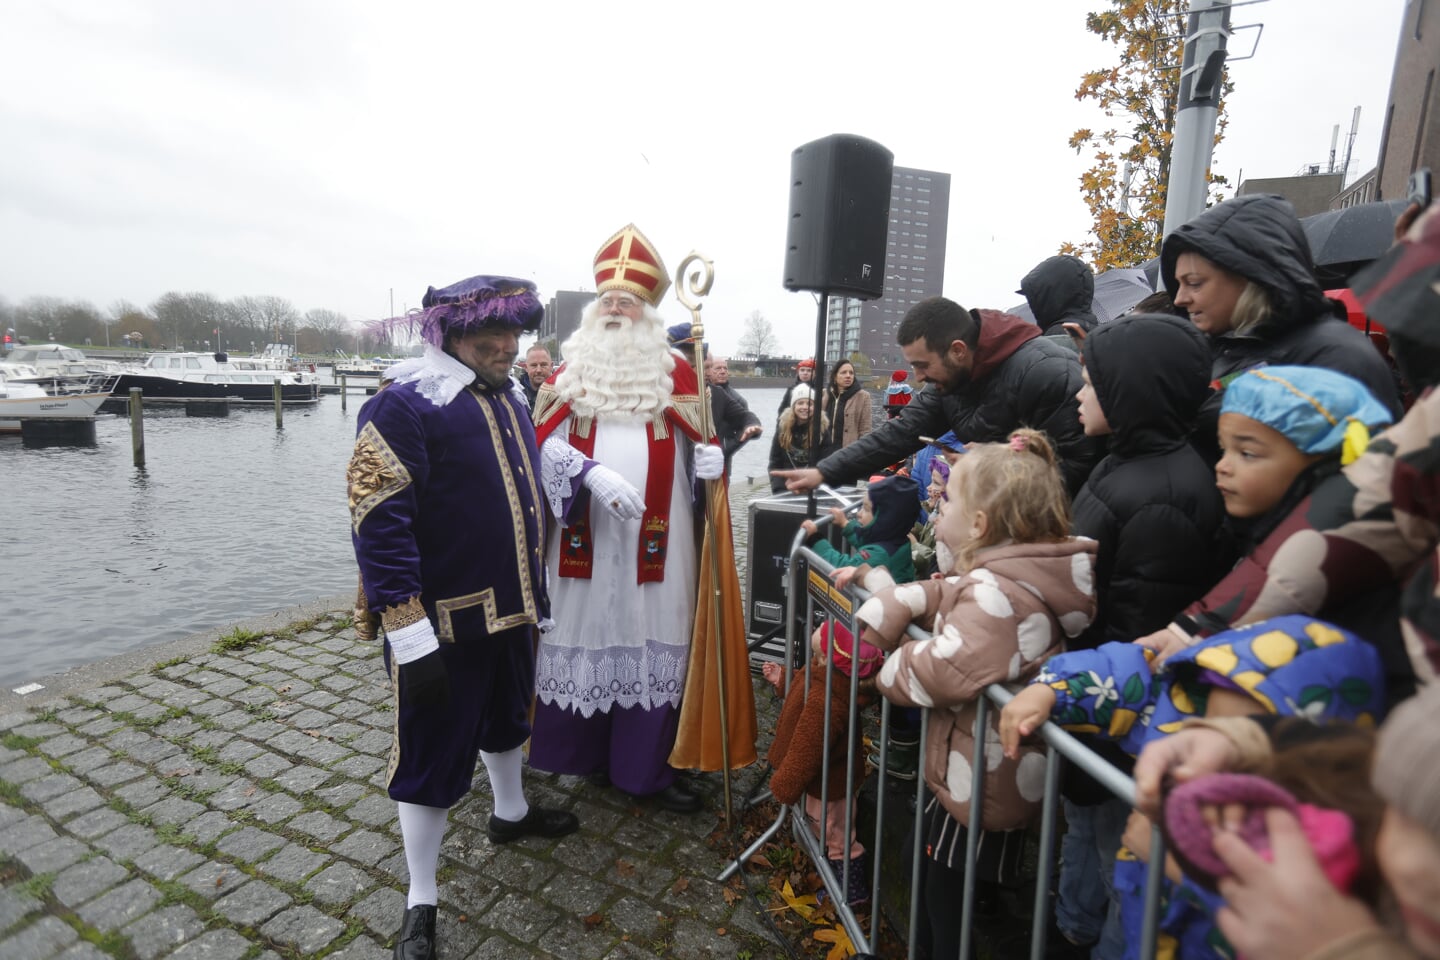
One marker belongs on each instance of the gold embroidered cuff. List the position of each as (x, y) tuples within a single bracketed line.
[(366, 623), (402, 615)]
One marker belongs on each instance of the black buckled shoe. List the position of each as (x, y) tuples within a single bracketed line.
[(539, 822), (417, 934), (676, 799)]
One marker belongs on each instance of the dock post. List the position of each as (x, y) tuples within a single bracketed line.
[(137, 425), (344, 388), (279, 416)]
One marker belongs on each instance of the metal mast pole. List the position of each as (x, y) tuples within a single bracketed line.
[(1197, 107)]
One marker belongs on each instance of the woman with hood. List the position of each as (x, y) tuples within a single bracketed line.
[(1242, 273), (847, 406)]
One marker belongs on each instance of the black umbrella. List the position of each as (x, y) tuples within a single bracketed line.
[(1343, 241)]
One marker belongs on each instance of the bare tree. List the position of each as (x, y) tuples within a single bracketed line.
[(759, 338), (190, 318), (331, 329)]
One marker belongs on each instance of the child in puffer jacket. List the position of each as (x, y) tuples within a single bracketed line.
[(801, 735), (881, 533), (1014, 585), (1289, 666)]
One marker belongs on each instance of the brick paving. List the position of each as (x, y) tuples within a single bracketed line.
[(228, 806)]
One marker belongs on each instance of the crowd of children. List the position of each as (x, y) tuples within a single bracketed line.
[(1251, 703)]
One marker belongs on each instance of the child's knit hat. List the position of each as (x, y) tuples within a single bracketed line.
[(800, 392), (1318, 410), (1407, 759), (868, 661)]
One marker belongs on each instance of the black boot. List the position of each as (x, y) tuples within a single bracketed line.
[(417, 934)]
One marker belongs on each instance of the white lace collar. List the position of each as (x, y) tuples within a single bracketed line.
[(438, 377)]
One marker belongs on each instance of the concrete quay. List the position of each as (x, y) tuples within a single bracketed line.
[(221, 799)]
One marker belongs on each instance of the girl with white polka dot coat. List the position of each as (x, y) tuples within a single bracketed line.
[(1013, 585)]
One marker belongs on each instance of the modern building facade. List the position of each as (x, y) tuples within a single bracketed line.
[(562, 315), (914, 270)]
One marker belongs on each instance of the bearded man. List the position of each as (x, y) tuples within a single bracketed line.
[(988, 373), (446, 515), (621, 451)]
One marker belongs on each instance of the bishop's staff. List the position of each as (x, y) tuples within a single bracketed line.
[(715, 700)]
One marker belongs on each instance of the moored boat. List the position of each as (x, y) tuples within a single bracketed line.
[(30, 401), (180, 377)]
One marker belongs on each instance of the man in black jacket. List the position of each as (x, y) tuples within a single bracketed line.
[(734, 421), (989, 373)]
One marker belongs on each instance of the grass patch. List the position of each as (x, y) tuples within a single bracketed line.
[(14, 741), (10, 794), (38, 886), (172, 662), (238, 639)]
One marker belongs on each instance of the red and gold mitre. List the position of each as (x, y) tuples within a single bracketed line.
[(629, 261)]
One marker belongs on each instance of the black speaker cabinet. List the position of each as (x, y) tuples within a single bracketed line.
[(839, 217), (773, 524)]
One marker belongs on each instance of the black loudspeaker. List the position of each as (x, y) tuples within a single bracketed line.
[(839, 217), (773, 523)]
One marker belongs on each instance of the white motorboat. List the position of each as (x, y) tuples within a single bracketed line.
[(360, 368), (20, 399), (57, 361)]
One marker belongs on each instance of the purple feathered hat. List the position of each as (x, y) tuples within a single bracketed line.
[(478, 302)]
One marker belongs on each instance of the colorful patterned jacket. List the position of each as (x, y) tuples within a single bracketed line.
[(996, 624), (1291, 666)]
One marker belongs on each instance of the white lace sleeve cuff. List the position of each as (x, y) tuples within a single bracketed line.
[(561, 465)]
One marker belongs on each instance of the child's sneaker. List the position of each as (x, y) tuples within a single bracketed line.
[(902, 761)]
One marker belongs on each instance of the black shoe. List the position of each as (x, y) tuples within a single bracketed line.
[(600, 778), (539, 822), (417, 934), (674, 798)]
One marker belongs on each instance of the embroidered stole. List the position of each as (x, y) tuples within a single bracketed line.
[(577, 548)]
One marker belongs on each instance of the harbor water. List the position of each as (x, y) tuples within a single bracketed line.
[(230, 518)]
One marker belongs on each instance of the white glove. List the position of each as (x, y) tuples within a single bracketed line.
[(709, 461), (615, 493)]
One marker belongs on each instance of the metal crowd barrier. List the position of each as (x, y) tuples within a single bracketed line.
[(809, 577)]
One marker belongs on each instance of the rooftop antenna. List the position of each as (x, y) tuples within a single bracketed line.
[(1334, 138), (1350, 141)]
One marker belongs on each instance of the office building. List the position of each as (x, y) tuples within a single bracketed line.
[(914, 270), (562, 315)]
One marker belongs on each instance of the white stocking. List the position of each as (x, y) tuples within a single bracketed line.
[(423, 829), (504, 770)]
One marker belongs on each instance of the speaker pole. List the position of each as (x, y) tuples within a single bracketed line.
[(817, 382)]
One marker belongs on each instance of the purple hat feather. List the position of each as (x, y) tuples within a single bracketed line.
[(472, 304)]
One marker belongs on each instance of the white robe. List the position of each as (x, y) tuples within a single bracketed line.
[(617, 642)]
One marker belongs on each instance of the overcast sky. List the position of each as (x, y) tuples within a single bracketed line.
[(328, 152)]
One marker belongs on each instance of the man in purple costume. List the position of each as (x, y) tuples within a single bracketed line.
[(449, 533)]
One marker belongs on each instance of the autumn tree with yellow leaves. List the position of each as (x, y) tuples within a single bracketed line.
[(1125, 189)]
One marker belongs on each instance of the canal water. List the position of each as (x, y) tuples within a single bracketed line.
[(229, 519)]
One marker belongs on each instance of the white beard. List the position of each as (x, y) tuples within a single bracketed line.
[(624, 374)]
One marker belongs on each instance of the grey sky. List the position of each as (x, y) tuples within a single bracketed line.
[(330, 151)]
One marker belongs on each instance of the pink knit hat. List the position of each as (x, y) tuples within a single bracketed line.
[(871, 656), (1330, 832)]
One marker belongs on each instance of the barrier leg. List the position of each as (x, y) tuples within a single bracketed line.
[(1040, 927)]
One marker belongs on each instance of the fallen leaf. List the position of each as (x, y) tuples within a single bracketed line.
[(625, 868), (730, 895), (759, 861), (681, 885), (286, 688), (805, 906), (250, 792), (720, 931), (462, 918), (836, 935), (594, 920), (625, 936), (221, 878)]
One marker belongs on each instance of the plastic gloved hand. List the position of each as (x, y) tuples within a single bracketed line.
[(709, 462), (615, 493), (425, 682), (422, 676)]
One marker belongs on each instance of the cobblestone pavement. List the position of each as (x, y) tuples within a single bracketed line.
[(228, 805)]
